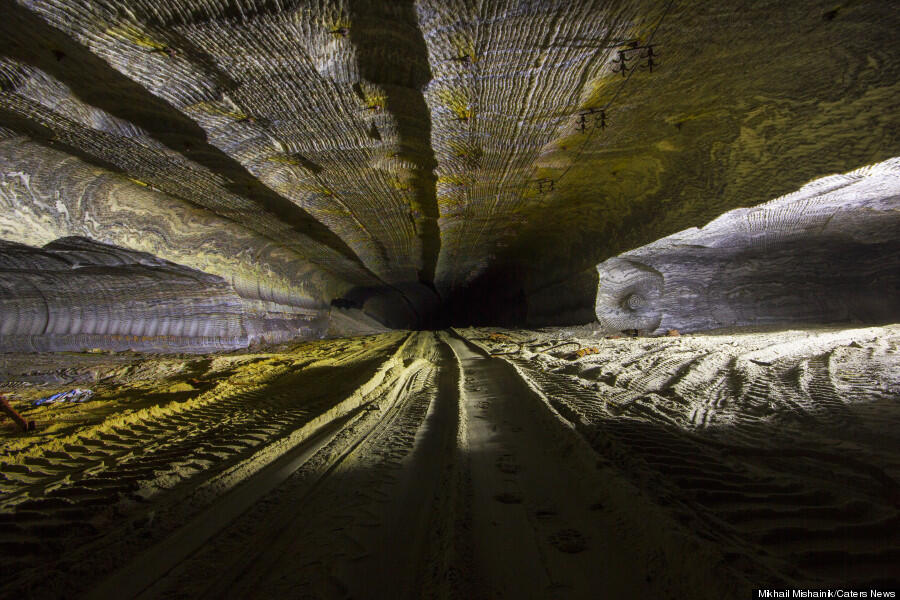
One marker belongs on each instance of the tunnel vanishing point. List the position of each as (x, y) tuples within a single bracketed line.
[(449, 298)]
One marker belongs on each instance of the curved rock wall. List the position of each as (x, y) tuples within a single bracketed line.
[(826, 253), (46, 194), (493, 152), (747, 102), (256, 110), (75, 294)]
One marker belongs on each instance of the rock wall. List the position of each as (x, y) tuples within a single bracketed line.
[(344, 322), (75, 294), (826, 253), (46, 194), (508, 77), (257, 112), (491, 153), (747, 102)]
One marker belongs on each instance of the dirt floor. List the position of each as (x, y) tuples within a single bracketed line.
[(469, 464)]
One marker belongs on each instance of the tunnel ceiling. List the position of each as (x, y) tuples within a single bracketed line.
[(427, 146)]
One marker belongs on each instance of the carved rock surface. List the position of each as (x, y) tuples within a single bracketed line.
[(826, 253), (75, 293), (445, 159), (46, 194)]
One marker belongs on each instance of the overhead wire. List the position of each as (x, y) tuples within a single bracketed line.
[(613, 99)]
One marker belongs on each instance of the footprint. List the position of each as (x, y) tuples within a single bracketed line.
[(508, 498), (507, 464), (569, 541)]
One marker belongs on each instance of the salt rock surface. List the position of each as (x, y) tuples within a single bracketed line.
[(74, 294), (826, 253)]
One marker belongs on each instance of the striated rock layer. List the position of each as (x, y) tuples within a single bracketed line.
[(826, 253), (74, 294), (468, 159), (46, 194)]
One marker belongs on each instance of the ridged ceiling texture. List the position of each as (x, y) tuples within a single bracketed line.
[(482, 155)]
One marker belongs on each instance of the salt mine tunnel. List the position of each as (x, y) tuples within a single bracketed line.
[(449, 299)]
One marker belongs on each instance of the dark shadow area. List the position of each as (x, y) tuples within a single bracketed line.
[(805, 496), (392, 54), (566, 302), (807, 279), (407, 305), (804, 516), (496, 297), (105, 517)]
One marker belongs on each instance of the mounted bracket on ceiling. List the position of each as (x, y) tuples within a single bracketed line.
[(599, 115), (544, 185), (646, 55)]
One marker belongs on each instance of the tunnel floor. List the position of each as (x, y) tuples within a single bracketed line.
[(472, 463)]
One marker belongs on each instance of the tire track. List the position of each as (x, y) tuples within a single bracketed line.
[(140, 479), (550, 520), (763, 452), (323, 518)]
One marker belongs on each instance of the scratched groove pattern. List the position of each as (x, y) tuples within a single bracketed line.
[(281, 94), (507, 77), (749, 102), (46, 194), (69, 296), (52, 500), (402, 145), (35, 97), (825, 253)]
